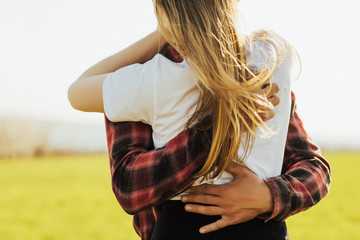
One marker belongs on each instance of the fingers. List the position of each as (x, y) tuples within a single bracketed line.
[(219, 224), (205, 188), (274, 100), (269, 90), (266, 112), (236, 169), (227, 220), (265, 116), (205, 210), (202, 198)]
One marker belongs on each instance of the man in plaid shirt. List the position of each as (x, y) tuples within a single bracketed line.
[(144, 178)]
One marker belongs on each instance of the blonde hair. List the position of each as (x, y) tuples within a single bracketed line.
[(206, 35)]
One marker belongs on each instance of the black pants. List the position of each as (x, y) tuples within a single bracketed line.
[(175, 223)]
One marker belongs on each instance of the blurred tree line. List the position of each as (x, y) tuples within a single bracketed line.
[(27, 138)]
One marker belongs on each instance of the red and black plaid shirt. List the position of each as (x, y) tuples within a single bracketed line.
[(144, 178)]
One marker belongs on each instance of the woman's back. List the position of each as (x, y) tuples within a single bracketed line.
[(164, 94)]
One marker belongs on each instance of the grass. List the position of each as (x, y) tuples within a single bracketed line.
[(60, 198), (70, 198), (338, 215)]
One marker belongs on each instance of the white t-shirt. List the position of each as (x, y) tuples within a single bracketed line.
[(164, 95)]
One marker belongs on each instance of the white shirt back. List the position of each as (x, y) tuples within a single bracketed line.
[(164, 95)]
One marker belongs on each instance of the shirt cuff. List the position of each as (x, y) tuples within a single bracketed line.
[(280, 194)]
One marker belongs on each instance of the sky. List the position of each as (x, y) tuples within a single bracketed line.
[(46, 45)]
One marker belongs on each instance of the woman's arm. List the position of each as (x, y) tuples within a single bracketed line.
[(85, 94)]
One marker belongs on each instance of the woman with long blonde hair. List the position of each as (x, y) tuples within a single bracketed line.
[(214, 87)]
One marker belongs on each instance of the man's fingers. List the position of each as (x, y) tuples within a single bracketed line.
[(236, 169), (240, 217), (205, 188), (202, 198), (205, 210), (219, 224)]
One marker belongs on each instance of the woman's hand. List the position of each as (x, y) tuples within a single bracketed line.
[(241, 200), (268, 92)]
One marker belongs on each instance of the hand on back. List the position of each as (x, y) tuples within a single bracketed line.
[(268, 92), (243, 199)]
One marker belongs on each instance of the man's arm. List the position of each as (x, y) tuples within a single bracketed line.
[(306, 175), (143, 177), (304, 181)]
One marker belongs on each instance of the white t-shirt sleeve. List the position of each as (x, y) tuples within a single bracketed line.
[(128, 93)]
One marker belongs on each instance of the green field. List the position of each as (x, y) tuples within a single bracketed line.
[(65, 198)]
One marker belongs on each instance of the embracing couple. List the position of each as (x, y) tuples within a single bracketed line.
[(204, 138)]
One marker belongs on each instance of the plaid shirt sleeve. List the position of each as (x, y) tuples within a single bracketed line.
[(305, 177), (143, 177)]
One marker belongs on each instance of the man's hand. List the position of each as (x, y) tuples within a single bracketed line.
[(241, 200)]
